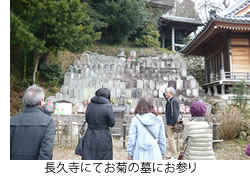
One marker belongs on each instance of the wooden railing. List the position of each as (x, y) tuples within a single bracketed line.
[(231, 76), (216, 77), (237, 75), (67, 127)]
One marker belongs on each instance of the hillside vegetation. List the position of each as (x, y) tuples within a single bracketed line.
[(47, 36), (64, 59)]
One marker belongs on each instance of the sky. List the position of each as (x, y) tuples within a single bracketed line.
[(201, 11)]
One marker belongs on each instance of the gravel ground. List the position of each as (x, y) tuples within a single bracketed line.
[(227, 150), (231, 150), (61, 153)]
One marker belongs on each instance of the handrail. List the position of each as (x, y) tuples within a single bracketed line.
[(231, 76), (237, 75)]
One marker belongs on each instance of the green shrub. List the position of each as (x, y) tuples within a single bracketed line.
[(52, 73), (149, 36), (241, 92)]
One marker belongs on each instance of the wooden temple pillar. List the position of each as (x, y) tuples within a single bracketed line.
[(215, 90), (209, 92), (163, 42), (223, 91), (173, 39)]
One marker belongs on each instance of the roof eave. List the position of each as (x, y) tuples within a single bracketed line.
[(216, 25), (188, 47), (195, 22)]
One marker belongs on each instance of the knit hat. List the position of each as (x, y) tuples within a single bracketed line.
[(248, 150), (198, 109)]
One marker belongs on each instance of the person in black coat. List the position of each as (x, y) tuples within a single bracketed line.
[(32, 131), (97, 141), (172, 114)]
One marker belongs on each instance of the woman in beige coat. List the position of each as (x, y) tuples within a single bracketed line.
[(198, 135)]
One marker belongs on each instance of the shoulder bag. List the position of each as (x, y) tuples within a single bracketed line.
[(147, 129), (81, 132)]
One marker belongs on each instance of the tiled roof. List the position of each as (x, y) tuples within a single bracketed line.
[(236, 7), (169, 3), (234, 19)]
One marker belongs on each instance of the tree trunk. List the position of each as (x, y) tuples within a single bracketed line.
[(25, 66), (36, 60), (45, 58)]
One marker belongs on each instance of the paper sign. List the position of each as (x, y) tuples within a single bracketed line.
[(63, 108)]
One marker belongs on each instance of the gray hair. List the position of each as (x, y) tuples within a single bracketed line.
[(170, 90), (33, 95)]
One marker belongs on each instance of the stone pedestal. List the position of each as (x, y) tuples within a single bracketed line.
[(223, 91), (215, 90), (209, 93)]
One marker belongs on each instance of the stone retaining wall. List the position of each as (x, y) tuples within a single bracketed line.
[(129, 79)]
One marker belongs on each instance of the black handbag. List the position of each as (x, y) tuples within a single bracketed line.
[(182, 153), (78, 150), (81, 132)]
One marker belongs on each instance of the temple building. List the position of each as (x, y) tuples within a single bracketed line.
[(174, 30), (225, 43)]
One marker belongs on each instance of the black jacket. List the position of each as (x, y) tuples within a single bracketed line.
[(31, 135), (171, 118), (97, 142)]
